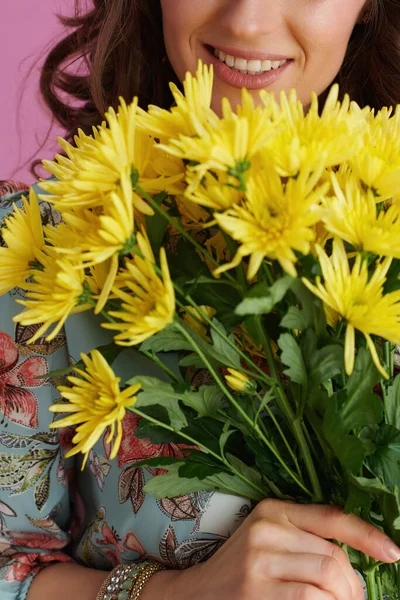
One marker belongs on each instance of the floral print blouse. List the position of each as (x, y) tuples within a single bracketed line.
[(50, 510)]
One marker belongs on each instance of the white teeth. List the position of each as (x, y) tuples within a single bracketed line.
[(251, 67), (254, 65), (266, 65)]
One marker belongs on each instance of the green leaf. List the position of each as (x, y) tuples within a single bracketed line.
[(205, 430), (222, 348), (371, 486), (295, 318), (167, 340), (292, 357), (225, 435), (201, 465), (262, 298), (390, 505), (389, 581), (350, 451), (313, 314), (392, 403), (322, 364), (357, 498), (352, 408), (355, 406), (157, 392), (248, 472), (219, 353), (158, 463), (385, 462), (216, 293), (172, 485), (156, 433), (207, 401)]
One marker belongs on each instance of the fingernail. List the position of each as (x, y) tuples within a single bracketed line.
[(392, 550)]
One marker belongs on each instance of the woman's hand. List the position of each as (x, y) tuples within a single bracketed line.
[(281, 552)]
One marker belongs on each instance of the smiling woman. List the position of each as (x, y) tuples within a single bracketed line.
[(121, 42), (101, 519), (305, 40)]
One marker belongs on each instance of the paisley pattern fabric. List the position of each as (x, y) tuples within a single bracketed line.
[(50, 510)]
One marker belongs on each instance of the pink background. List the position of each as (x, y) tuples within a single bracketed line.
[(27, 28)]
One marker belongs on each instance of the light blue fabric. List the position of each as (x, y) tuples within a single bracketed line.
[(50, 510)]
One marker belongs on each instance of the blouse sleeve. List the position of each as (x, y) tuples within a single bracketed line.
[(35, 478)]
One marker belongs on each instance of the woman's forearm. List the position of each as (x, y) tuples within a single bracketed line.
[(69, 581)]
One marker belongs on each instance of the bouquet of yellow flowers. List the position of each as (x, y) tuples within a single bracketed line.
[(262, 249)]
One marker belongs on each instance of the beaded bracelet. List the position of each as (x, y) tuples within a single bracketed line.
[(142, 578), (122, 580)]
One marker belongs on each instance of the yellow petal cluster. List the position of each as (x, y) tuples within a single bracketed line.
[(93, 167), (377, 163), (23, 237), (147, 300), (352, 214), (56, 291), (328, 137), (95, 402), (274, 221), (192, 110), (239, 382), (351, 294)]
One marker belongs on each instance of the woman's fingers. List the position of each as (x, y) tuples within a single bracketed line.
[(318, 570), (330, 522), (296, 591), (271, 537)]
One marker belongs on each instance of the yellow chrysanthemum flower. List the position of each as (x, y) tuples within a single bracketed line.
[(227, 149), (56, 292), (23, 235), (377, 163), (105, 233), (239, 382), (93, 168), (191, 113), (212, 191), (358, 299), (315, 139), (95, 402), (147, 301), (275, 220), (352, 215)]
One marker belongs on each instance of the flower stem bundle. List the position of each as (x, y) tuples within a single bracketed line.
[(260, 250)]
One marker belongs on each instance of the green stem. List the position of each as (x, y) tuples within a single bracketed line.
[(289, 414), (175, 223), (194, 442), (379, 582), (398, 579), (371, 584), (261, 375), (159, 363), (279, 428), (239, 408)]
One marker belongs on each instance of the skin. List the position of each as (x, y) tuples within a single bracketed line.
[(315, 33)]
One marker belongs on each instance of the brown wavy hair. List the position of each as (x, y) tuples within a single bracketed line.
[(120, 46)]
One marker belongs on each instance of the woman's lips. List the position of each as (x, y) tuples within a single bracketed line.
[(240, 80)]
